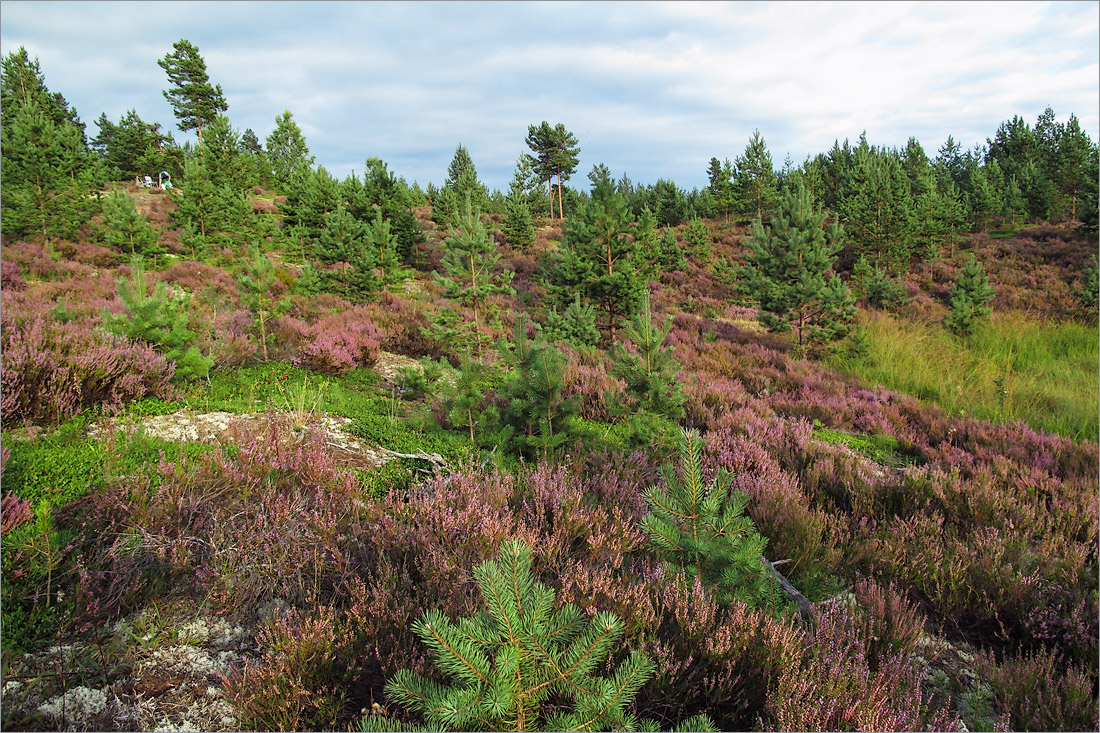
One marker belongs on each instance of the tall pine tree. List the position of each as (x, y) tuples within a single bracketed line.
[(194, 100)]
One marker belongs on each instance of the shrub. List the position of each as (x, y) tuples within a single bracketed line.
[(522, 663), (339, 343), (1040, 692), (53, 370)]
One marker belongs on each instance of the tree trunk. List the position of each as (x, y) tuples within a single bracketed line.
[(561, 210), (550, 195)]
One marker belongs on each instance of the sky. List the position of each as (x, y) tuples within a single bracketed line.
[(652, 90)]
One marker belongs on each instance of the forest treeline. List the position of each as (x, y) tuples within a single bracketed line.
[(897, 204)]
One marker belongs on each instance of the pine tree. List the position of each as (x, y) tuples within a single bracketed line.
[(287, 151), (671, 255), (462, 184), (343, 242), (194, 100), (463, 398), (556, 153), (877, 209), (536, 402), (519, 231), (383, 245), (159, 320), (879, 289), (513, 664), (787, 267), (469, 258), (311, 196), (755, 186), (969, 297), (223, 156), (577, 325), (1087, 292), (697, 239), (46, 185), (599, 259), (1074, 147), (126, 228), (649, 367), (198, 200), (257, 293), (702, 529), (384, 191)]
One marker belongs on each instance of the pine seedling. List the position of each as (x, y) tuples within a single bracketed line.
[(256, 284), (159, 320), (649, 367), (702, 529), (523, 662)]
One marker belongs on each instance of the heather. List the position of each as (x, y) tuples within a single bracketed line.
[(261, 479)]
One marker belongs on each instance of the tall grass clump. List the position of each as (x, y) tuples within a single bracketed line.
[(1012, 368)]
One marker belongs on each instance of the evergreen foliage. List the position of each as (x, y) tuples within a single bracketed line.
[(577, 325), (257, 294), (22, 83), (194, 100), (519, 230), (535, 396), (702, 529), (463, 398), (469, 258), (599, 259), (969, 296), (379, 237), (47, 178), (649, 367), (697, 239), (671, 256), (134, 147), (755, 185), (125, 227), (344, 242), (287, 151), (877, 208), (787, 267), (384, 191), (720, 177), (310, 197), (1087, 291), (556, 154), (160, 320), (462, 184), (878, 288), (522, 663)]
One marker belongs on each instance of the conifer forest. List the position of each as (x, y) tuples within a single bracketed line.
[(813, 447)]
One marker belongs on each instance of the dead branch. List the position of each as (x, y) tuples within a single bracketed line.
[(804, 608)]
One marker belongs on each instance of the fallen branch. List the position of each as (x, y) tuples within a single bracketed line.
[(804, 608), (438, 464)]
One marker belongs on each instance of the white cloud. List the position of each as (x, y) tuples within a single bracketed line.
[(652, 89)]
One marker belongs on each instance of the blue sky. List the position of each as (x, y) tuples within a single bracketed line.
[(652, 90)]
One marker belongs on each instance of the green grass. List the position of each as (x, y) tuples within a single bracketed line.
[(1014, 368), (882, 449)]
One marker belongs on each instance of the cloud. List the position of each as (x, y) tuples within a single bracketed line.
[(651, 89)]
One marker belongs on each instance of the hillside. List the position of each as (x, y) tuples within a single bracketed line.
[(249, 549)]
